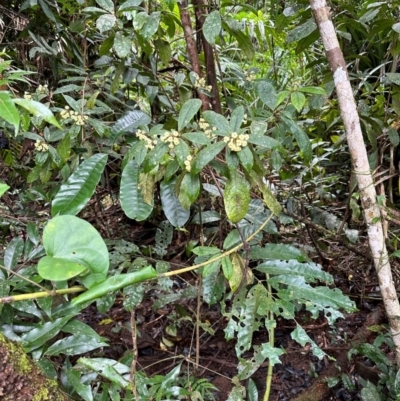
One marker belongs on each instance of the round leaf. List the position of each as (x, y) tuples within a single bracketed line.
[(73, 246)]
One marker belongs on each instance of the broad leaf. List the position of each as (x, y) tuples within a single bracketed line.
[(301, 137), (129, 123), (73, 246), (122, 45), (267, 94), (8, 111), (74, 345), (298, 100), (188, 111), (278, 252), (236, 197), (132, 200), (80, 186), (205, 156), (3, 188), (189, 190), (218, 121), (212, 26), (176, 214), (38, 110)]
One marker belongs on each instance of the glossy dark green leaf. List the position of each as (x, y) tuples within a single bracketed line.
[(278, 252), (73, 246), (129, 123), (115, 283), (74, 379), (176, 214), (43, 333), (246, 158), (132, 201), (205, 156), (74, 345), (80, 186), (13, 252), (218, 121), (189, 190)]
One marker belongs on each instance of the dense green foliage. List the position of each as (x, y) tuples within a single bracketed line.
[(107, 95)]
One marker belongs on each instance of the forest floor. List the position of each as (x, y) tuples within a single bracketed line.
[(300, 376)]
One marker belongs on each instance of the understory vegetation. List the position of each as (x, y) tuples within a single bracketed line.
[(179, 172)]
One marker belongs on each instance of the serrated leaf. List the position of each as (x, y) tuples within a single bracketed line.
[(267, 94), (188, 111), (132, 200), (176, 214), (236, 197), (8, 111), (73, 196), (205, 156), (129, 123), (73, 246), (74, 345), (212, 27), (38, 110)]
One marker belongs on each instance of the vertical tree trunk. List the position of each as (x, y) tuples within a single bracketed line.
[(361, 168), (21, 379), (191, 48)]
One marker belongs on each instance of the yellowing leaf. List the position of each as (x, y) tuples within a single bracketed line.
[(236, 197)]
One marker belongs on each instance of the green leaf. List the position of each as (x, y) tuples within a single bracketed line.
[(264, 141), (267, 94), (205, 156), (129, 123), (212, 27), (393, 77), (218, 121), (278, 252), (3, 188), (300, 335), (301, 137), (115, 283), (43, 333), (73, 246), (154, 157), (106, 5), (74, 345), (150, 27), (237, 118), (13, 252), (80, 186), (122, 45), (189, 190), (188, 111), (298, 100), (310, 271), (246, 158), (236, 197), (8, 111), (315, 90), (176, 214), (370, 393), (74, 379), (132, 201), (301, 31), (105, 22), (38, 110)]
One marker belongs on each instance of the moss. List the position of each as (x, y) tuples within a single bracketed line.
[(17, 356)]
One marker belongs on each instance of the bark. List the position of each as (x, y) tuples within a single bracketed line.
[(361, 169), (201, 11), (21, 379), (191, 48)]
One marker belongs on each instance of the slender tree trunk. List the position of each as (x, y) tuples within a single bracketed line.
[(191, 48), (361, 168), (21, 379)]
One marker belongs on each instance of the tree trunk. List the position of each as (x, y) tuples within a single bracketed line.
[(21, 379), (361, 169)]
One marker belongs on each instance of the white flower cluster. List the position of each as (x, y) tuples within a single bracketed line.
[(236, 142), (27, 96), (250, 76), (201, 83), (206, 127), (41, 146), (187, 163), (150, 143), (172, 138), (43, 89), (74, 115)]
